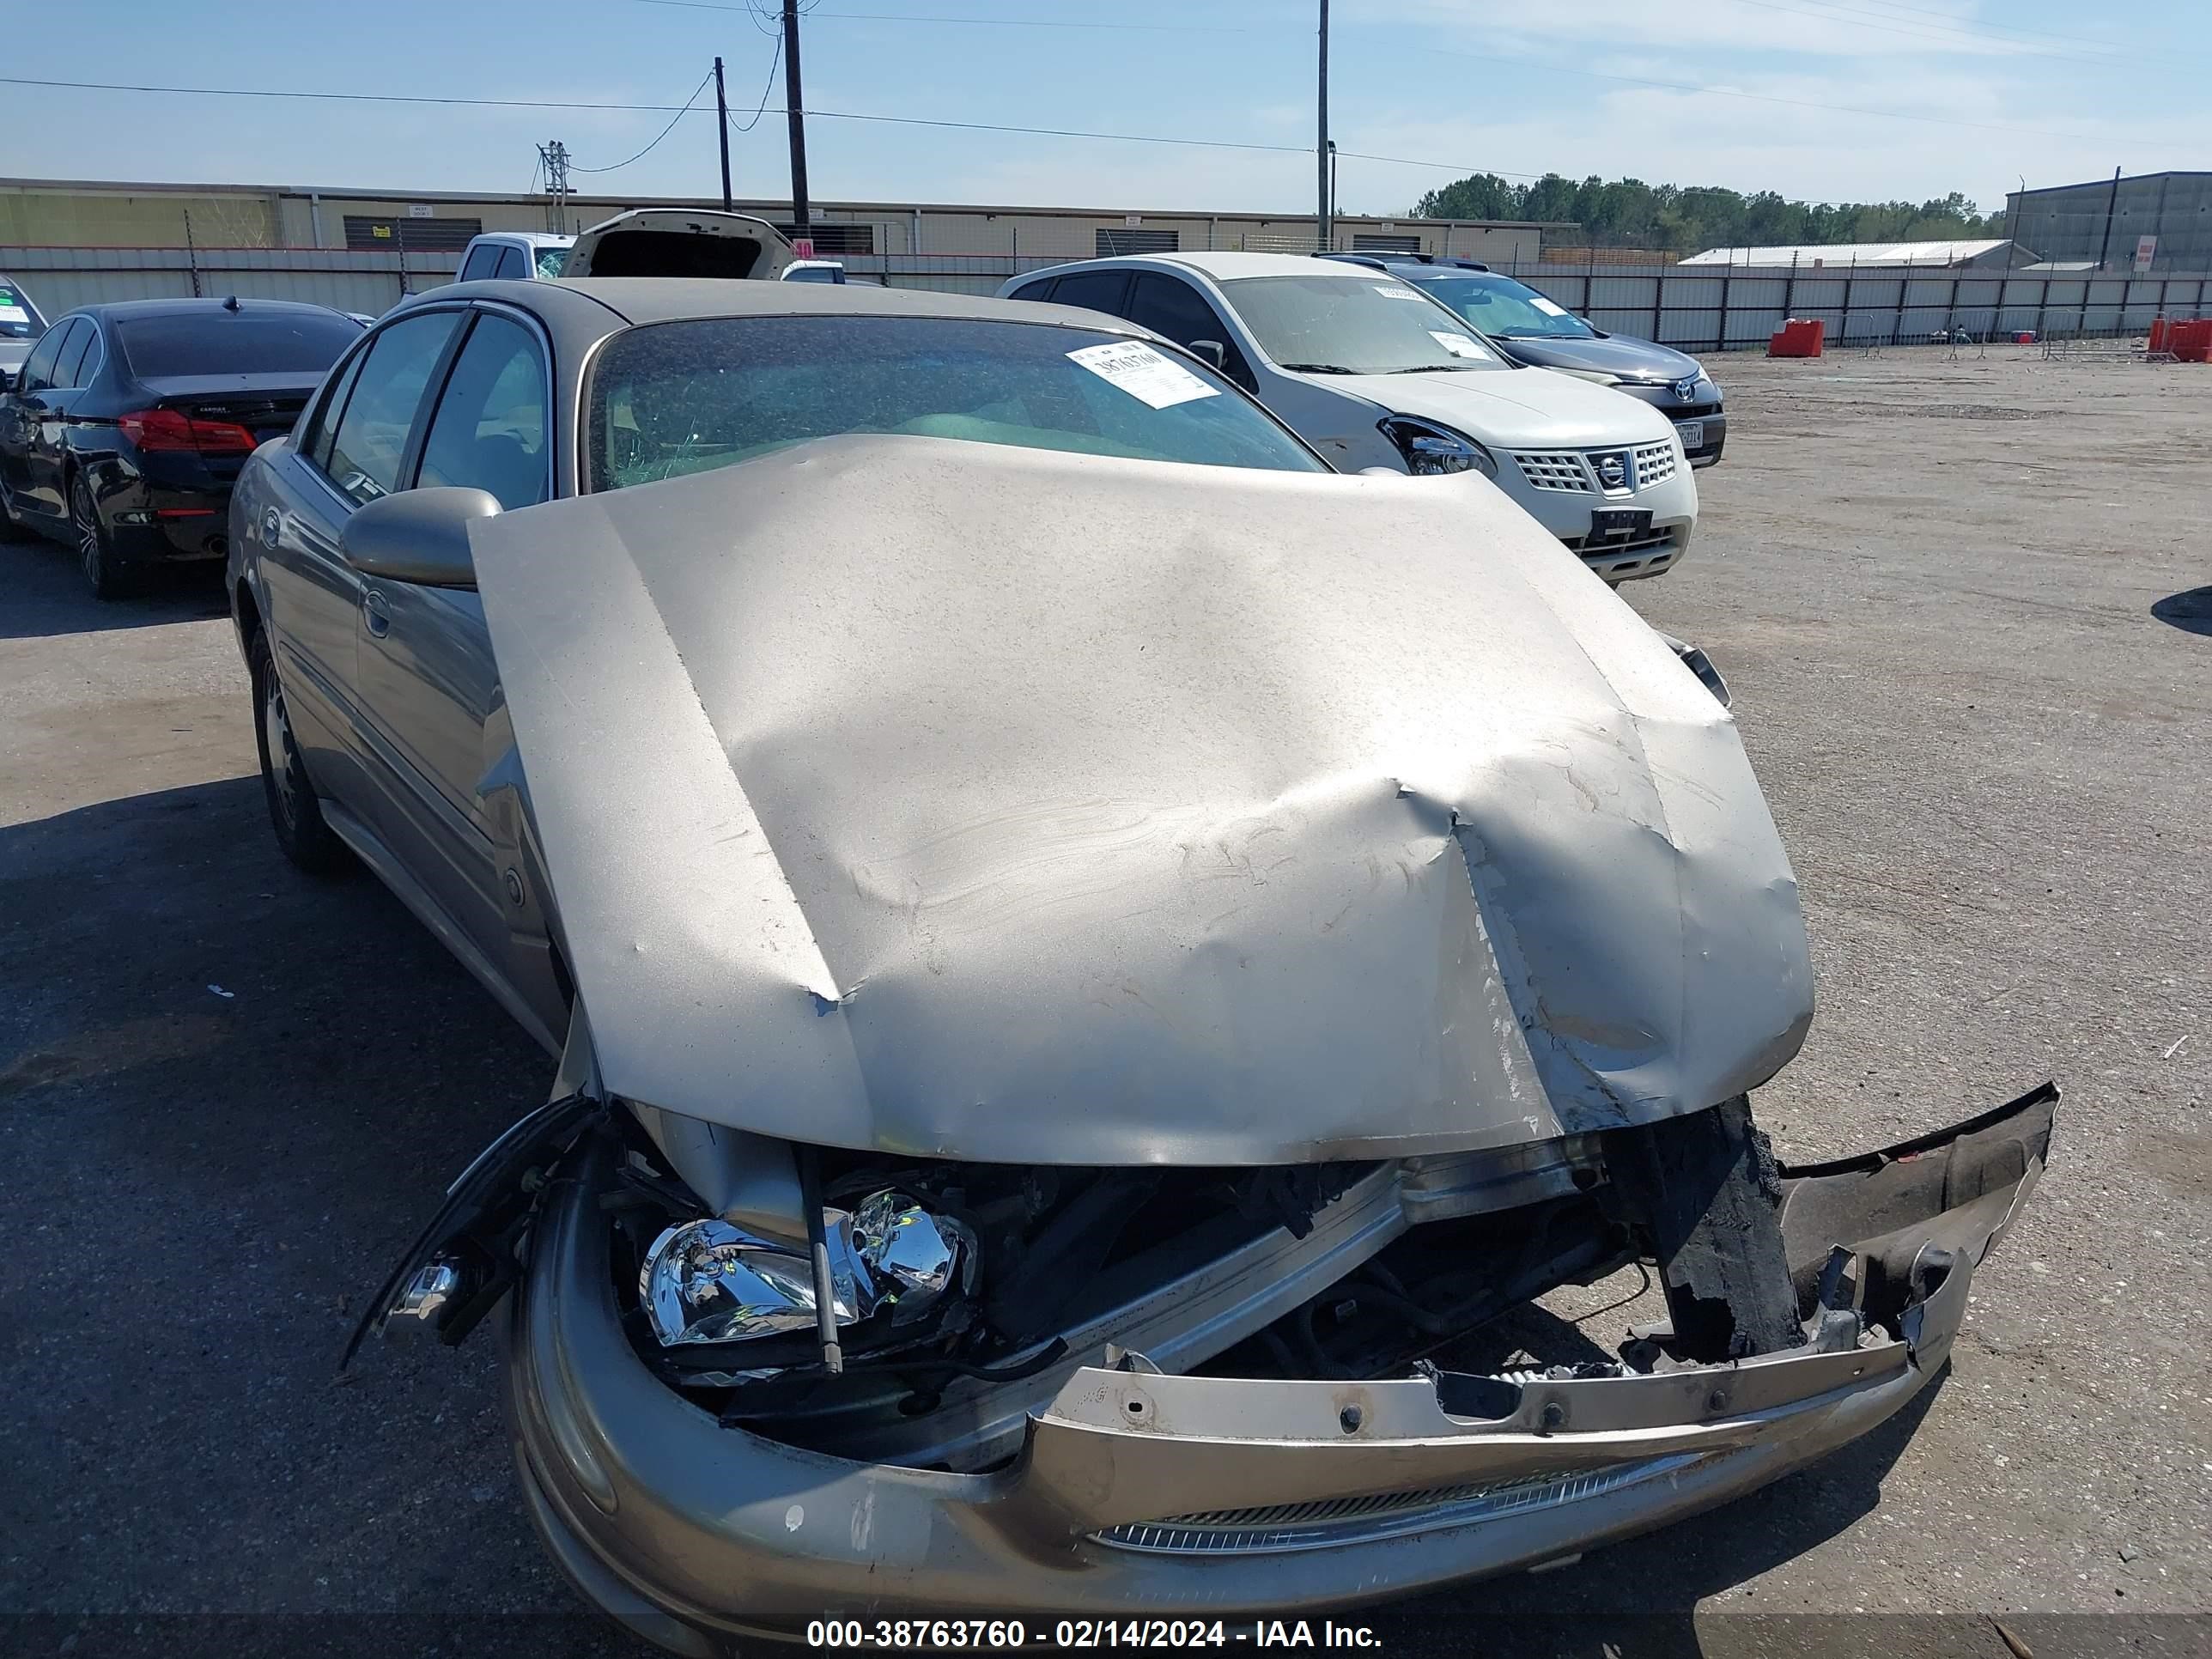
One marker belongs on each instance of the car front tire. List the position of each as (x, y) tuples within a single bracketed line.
[(295, 813)]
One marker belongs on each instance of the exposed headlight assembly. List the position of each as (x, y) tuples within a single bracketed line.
[(710, 1280), (1430, 449)]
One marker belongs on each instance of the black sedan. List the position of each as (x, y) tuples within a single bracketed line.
[(1533, 329), (127, 423)]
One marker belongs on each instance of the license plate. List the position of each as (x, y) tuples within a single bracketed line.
[(1622, 523), (1691, 433)]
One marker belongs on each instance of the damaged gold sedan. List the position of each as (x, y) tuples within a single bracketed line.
[(1089, 955)]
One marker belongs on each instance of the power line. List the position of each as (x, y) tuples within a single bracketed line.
[(338, 97), (1071, 132), (978, 22), (775, 63), (679, 110), (665, 132)]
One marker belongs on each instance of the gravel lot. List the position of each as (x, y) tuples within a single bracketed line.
[(1967, 609)]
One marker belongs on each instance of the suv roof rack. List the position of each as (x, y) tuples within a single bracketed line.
[(1383, 261)]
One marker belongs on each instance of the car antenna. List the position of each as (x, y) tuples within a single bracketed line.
[(231, 304)]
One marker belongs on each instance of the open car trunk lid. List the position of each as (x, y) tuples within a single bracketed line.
[(680, 242)]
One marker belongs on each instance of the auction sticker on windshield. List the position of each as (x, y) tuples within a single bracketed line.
[(1547, 307), (1458, 344), (1397, 294), (1144, 373)]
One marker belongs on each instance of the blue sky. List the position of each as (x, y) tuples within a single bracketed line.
[(2055, 92)]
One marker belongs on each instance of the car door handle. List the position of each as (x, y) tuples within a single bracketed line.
[(374, 615)]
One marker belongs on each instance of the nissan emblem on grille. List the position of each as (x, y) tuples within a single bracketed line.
[(1612, 470)]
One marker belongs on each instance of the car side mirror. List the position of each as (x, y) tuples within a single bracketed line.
[(1213, 351), (419, 536)]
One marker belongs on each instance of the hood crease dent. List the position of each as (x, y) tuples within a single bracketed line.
[(1011, 805)]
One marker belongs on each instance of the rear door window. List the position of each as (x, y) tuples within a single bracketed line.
[(1094, 290), (39, 366), (54, 353), (80, 357), (317, 447), (512, 267), (488, 432), (370, 444)]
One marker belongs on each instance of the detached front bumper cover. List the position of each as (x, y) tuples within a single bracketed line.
[(1139, 1491)]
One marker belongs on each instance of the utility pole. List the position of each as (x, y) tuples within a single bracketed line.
[(802, 218), (555, 156), (2111, 204), (1321, 145), (722, 131)]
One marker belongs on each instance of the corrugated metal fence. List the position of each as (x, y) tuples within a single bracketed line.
[(1699, 308), (1708, 308), (59, 279)]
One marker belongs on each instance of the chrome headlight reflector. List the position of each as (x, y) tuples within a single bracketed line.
[(710, 1280), (1430, 449)]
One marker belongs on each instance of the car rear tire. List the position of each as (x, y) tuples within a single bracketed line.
[(295, 813), (95, 553), (12, 527)]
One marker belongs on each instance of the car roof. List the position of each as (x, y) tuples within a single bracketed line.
[(527, 238), (666, 298), (1227, 265), (123, 310)]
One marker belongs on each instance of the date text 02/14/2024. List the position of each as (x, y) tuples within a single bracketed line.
[(1013, 1635)]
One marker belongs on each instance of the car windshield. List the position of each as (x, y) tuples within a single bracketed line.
[(551, 261), (1345, 325), (19, 317), (219, 341), (1510, 310), (669, 398)]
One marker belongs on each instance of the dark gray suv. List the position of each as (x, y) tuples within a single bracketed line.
[(1535, 330)]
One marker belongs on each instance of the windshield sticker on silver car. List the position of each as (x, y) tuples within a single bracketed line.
[(1397, 294), (13, 313), (1144, 373), (1458, 344), (1547, 307)]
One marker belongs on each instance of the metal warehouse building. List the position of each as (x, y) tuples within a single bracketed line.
[(65, 213), (2105, 222)]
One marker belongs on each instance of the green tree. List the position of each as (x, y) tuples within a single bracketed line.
[(1682, 219)]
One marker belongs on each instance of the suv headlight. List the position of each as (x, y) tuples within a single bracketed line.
[(1430, 449)]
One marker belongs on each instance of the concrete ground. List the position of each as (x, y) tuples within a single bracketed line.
[(1967, 609)]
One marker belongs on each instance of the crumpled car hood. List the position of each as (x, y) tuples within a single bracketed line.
[(994, 804)]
